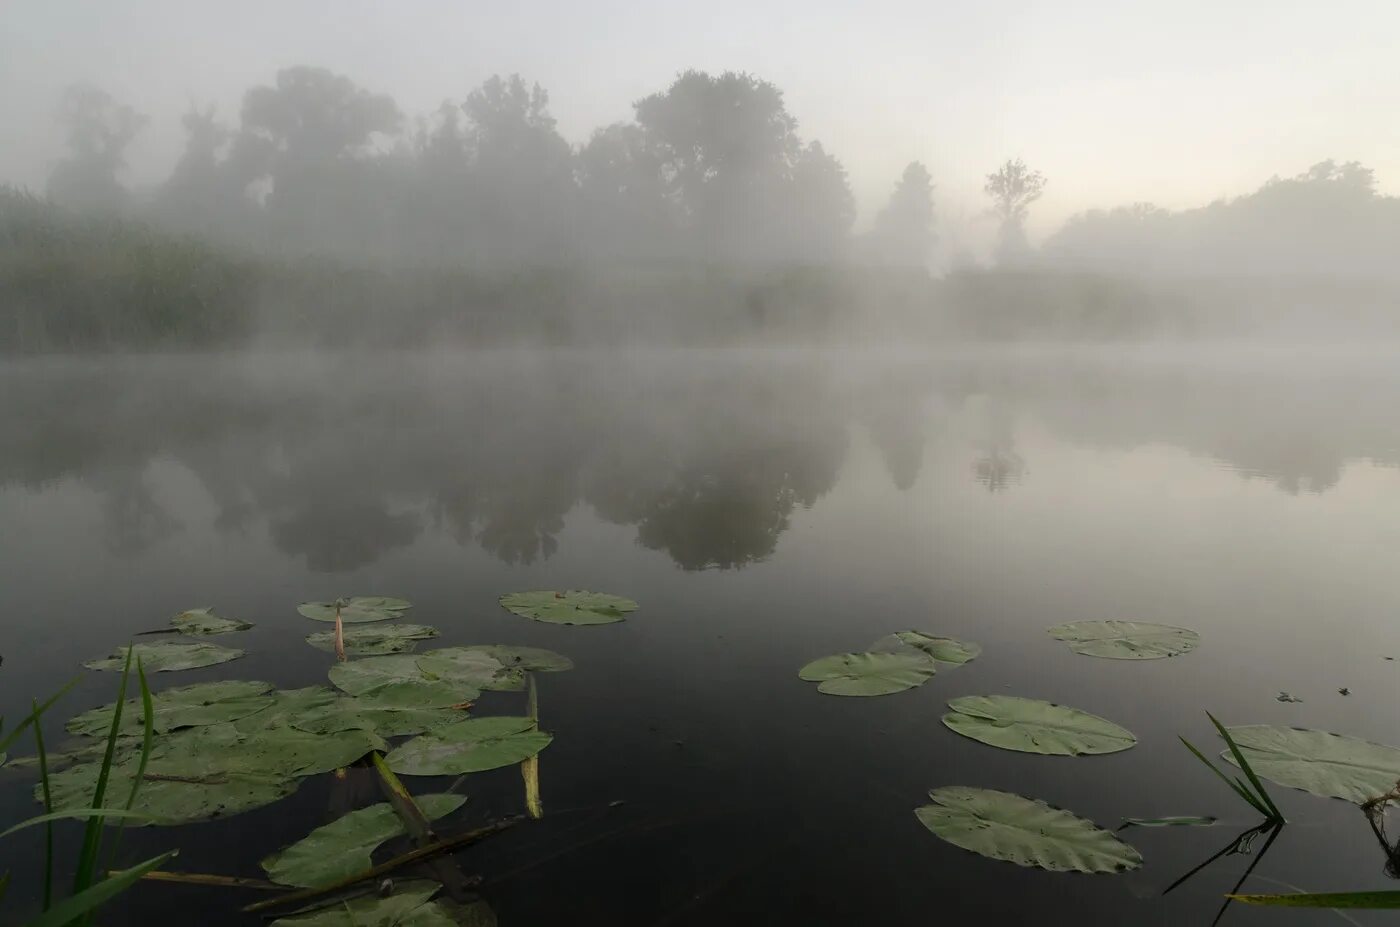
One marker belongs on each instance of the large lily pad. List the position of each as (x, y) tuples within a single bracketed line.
[(1330, 765), (357, 609), (287, 705), (569, 607), (529, 659), (397, 682), (471, 667), (374, 640), (205, 621), (411, 905), (943, 649), (869, 673), (1125, 640), (1006, 826), (344, 846), (185, 706), (1034, 726), (470, 746), (345, 713), (168, 656)]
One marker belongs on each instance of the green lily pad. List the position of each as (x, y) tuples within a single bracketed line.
[(1125, 640), (344, 846), (1034, 726), (185, 706), (374, 640), (287, 705), (471, 667), (943, 649), (529, 659), (469, 746), (397, 682), (410, 905), (1010, 827), (869, 673), (168, 656), (276, 750), (356, 609), (570, 607), (345, 713), (205, 621), (1325, 764)]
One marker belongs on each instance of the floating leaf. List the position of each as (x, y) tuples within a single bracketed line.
[(344, 847), (184, 706), (205, 621), (571, 607), (1182, 821), (375, 640), (356, 609), (1329, 765), (397, 682), (410, 905), (344, 713), (869, 673), (529, 659), (1034, 726), (1125, 640), (287, 704), (469, 746), (471, 667), (168, 656), (942, 649), (1006, 826)]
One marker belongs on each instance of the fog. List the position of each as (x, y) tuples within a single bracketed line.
[(342, 174)]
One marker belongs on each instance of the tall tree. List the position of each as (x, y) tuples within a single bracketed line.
[(99, 131), (823, 207), (1013, 187), (903, 231), (623, 193)]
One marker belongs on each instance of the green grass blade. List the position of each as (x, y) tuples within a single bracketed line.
[(1263, 793), (148, 739), (1235, 786), (76, 813), (24, 725), (92, 836), (4, 885), (48, 806), (1380, 899), (90, 899)]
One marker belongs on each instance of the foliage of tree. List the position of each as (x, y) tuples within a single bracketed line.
[(1013, 187), (903, 232), (99, 130)]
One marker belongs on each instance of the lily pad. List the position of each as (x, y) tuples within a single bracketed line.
[(1034, 726), (943, 649), (470, 746), (869, 673), (344, 846), (397, 682), (345, 713), (168, 656), (530, 659), (287, 705), (1024, 831), (569, 607), (1125, 640), (471, 667), (356, 609), (374, 640), (185, 706), (410, 905), (1325, 764), (205, 621)]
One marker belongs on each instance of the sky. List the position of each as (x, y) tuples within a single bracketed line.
[(1176, 103)]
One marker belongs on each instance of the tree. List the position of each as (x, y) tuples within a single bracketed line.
[(623, 193), (903, 232), (99, 131), (1013, 187), (823, 207)]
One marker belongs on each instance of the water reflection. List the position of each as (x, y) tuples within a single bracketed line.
[(707, 459)]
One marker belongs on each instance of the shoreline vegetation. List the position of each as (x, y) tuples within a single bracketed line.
[(74, 283)]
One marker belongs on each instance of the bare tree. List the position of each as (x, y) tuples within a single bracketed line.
[(1013, 187)]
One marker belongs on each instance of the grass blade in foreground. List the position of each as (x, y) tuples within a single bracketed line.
[(92, 836), (1384, 899), (1259, 789), (1236, 786), (77, 905)]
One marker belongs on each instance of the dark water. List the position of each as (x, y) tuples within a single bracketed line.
[(765, 508)]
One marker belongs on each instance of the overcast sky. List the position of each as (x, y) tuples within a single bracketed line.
[(1176, 102)]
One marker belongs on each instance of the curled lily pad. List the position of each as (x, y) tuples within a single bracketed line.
[(397, 682), (345, 713), (374, 640), (943, 649), (1125, 640), (470, 746), (471, 667), (869, 673), (410, 905), (184, 706), (1034, 726), (205, 621), (168, 656), (344, 846), (569, 607), (1325, 764), (1024, 831), (357, 609), (530, 659)]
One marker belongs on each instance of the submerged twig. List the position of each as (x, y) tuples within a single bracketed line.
[(205, 878)]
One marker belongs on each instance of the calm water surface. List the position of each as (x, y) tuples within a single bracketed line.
[(765, 508)]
